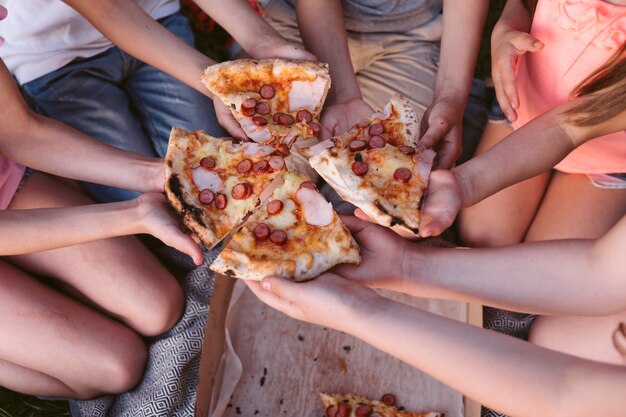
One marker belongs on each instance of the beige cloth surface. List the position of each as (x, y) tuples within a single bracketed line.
[(276, 366)]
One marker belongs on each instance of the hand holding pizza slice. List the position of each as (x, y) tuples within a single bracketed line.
[(274, 100), (377, 166)]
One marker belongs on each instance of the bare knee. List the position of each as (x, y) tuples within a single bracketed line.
[(482, 234), (162, 311), (118, 369)]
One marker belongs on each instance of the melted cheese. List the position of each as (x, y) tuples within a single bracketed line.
[(285, 219)]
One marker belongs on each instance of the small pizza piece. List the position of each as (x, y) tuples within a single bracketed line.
[(352, 405), (274, 100), (295, 234), (377, 167), (214, 183)]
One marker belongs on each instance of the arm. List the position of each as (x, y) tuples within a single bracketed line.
[(128, 26), (565, 277), (323, 33), (53, 147), (38, 230), (532, 149), (463, 24), (506, 374)]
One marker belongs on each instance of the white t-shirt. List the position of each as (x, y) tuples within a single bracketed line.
[(44, 35)]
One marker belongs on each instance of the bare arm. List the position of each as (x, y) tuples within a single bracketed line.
[(504, 373), (463, 24), (128, 26), (568, 277), (323, 33), (28, 231), (50, 146)]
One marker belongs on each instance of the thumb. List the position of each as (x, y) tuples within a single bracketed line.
[(525, 42), (281, 287)]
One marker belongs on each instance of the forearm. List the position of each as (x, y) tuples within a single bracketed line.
[(550, 278), (28, 231), (323, 33), (506, 374), (463, 24), (129, 27), (530, 150), (58, 149)]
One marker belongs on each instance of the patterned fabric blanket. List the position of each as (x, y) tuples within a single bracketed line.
[(169, 384)]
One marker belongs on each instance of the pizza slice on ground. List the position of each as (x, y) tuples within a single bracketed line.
[(352, 405), (214, 183), (274, 100), (295, 234), (377, 167)]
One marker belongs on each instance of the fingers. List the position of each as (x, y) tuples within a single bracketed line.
[(186, 244), (437, 128), (525, 42), (295, 51), (361, 215), (354, 224), (227, 120)]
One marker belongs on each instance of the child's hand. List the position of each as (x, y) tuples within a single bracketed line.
[(440, 129), (382, 255), (338, 118), (442, 203), (506, 49), (320, 301), (280, 48), (158, 219)]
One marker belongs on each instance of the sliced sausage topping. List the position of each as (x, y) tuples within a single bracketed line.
[(304, 115), (248, 103), (278, 237), (259, 121), (389, 399), (275, 207), (241, 191), (360, 168), (244, 166), (358, 145), (260, 166), (377, 142), (402, 175), (220, 201), (206, 196), (407, 150), (208, 162), (285, 119), (376, 129), (261, 232), (263, 108), (267, 91)]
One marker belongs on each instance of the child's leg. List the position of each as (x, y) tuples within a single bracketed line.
[(574, 208), (503, 218), (53, 346), (117, 275), (162, 101)]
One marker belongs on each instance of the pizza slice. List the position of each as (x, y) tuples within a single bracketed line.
[(377, 166), (274, 100), (214, 183), (352, 405), (295, 234)]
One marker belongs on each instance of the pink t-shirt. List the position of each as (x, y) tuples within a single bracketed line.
[(579, 36), (10, 176)]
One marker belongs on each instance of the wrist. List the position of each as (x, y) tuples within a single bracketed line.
[(465, 185)]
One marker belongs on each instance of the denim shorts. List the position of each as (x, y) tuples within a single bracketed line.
[(606, 181)]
